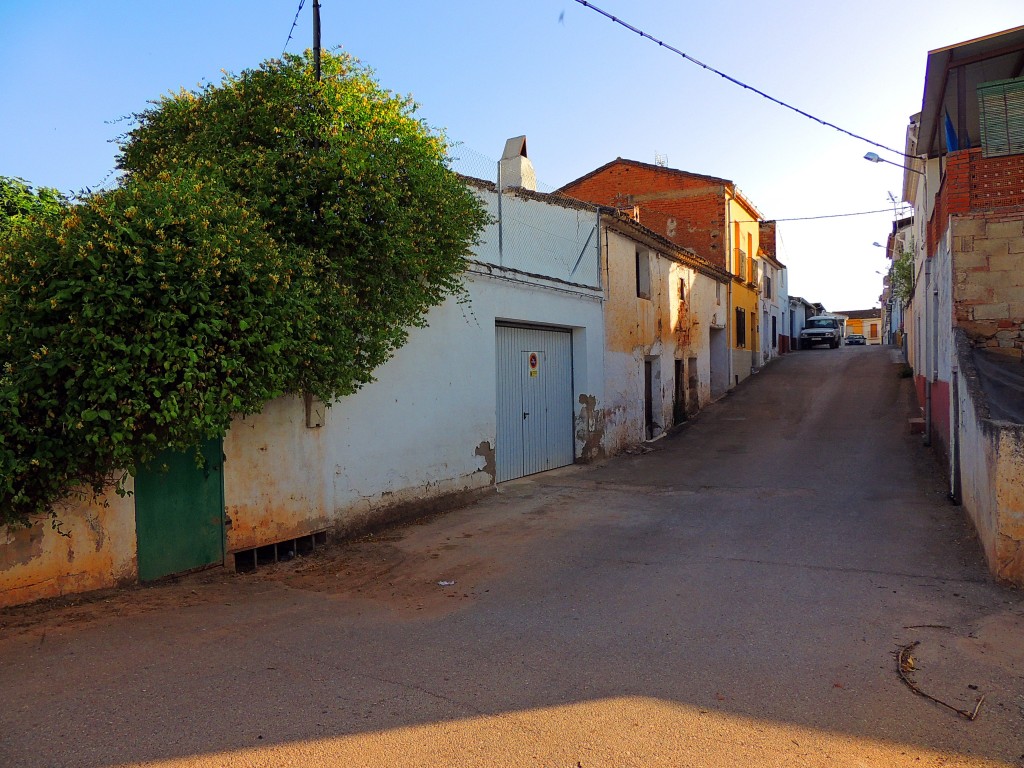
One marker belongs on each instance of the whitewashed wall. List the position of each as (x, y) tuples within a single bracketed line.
[(631, 337), (423, 431)]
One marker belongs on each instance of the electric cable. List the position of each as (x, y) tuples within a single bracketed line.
[(814, 218), (295, 21), (733, 80)]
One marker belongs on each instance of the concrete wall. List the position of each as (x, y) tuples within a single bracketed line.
[(97, 551), (991, 473)]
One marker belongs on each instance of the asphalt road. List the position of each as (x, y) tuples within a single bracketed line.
[(735, 597)]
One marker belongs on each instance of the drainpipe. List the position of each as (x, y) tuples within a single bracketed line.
[(954, 438), (929, 350)]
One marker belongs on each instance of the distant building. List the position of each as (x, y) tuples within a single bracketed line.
[(866, 322)]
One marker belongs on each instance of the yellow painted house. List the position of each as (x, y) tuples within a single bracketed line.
[(743, 227), (866, 322)]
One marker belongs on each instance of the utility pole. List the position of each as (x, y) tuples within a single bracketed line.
[(316, 39)]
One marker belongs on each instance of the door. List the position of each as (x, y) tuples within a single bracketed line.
[(534, 401), (179, 512), (648, 401)]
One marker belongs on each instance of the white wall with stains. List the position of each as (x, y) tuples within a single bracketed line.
[(666, 319)]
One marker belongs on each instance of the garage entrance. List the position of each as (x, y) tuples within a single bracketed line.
[(535, 408)]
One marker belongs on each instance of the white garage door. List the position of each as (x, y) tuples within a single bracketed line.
[(535, 408)]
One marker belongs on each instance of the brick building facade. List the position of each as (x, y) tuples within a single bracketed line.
[(706, 214)]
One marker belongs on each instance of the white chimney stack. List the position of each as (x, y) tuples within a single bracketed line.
[(515, 169)]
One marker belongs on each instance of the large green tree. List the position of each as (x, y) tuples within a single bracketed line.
[(351, 185)]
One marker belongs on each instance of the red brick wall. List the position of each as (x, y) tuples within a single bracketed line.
[(973, 184), (689, 210), (766, 238)]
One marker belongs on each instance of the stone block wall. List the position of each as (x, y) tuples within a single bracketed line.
[(988, 278)]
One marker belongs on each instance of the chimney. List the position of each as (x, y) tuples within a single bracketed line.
[(515, 169)]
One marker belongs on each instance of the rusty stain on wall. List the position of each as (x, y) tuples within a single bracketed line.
[(486, 451), (270, 494), (97, 552), (590, 429), (270, 524)]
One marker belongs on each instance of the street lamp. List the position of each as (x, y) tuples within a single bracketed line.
[(873, 157)]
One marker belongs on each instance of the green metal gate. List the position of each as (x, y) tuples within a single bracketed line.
[(179, 512)]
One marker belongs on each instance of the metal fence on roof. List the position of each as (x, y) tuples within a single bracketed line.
[(537, 234)]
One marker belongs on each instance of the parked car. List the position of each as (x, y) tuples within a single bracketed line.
[(821, 329), (856, 338)]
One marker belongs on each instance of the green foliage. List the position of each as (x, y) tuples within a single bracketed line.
[(20, 203), (349, 182), (902, 275), (139, 319)]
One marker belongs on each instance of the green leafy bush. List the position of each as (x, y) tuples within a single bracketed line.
[(20, 203), (137, 320)]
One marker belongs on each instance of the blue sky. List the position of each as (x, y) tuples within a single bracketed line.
[(582, 89)]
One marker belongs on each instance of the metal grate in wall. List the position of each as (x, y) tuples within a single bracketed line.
[(248, 560)]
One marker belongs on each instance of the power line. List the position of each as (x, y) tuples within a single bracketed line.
[(292, 30), (733, 80), (814, 218)]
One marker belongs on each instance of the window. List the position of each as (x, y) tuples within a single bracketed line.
[(775, 331), (767, 287), (682, 289), (741, 260), (750, 253), (1001, 117), (735, 248), (822, 322), (643, 274), (741, 327)]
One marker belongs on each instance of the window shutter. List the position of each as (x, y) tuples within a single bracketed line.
[(1001, 114)]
